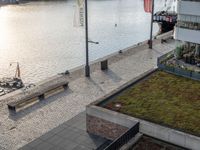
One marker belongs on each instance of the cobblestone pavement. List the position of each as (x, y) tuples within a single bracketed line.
[(29, 124)]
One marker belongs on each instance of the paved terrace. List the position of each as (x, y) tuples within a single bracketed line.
[(71, 135), (29, 124)]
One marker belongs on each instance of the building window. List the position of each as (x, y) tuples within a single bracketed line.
[(188, 25)]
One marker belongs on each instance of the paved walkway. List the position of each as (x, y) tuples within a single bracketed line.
[(29, 124)]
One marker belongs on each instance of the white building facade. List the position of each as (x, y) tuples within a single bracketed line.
[(188, 24)]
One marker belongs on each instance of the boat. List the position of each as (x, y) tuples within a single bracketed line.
[(10, 84), (166, 18)]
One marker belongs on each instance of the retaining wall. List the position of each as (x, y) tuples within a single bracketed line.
[(106, 123)]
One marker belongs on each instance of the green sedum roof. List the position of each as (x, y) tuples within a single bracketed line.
[(163, 98)]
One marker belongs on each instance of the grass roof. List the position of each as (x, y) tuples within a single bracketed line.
[(163, 98)]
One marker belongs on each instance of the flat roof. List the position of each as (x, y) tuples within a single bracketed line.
[(162, 98)]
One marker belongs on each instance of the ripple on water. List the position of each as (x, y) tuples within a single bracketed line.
[(41, 35)]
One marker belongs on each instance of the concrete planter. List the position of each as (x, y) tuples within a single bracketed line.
[(182, 72), (110, 124), (161, 66), (105, 123), (168, 68), (176, 70), (195, 75), (179, 71), (165, 57)]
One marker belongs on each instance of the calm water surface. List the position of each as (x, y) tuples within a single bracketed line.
[(42, 37)]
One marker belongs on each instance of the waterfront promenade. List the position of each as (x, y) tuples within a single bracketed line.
[(19, 129)]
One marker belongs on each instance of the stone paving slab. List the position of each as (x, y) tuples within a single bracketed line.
[(29, 124), (70, 135)]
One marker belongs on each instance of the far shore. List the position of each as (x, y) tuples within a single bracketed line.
[(27, 1)]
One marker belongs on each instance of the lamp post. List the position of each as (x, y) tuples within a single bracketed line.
[(87, 41), (151, 32), (87, 67)]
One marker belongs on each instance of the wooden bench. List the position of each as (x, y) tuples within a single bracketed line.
[(46, 89), (39, 92), (21, 101)]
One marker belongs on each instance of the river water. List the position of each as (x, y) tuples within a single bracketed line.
[(42, 38)]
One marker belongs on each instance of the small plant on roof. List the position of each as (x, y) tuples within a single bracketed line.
[(178, 52)]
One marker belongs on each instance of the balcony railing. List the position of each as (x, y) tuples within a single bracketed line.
[(188, 25), (189, 8), (123, 139)]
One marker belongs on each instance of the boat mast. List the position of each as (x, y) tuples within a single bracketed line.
[(17, 71)]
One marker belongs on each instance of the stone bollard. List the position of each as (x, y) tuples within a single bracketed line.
[(104, 64)]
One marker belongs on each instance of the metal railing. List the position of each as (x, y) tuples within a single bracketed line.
[(124, 138)]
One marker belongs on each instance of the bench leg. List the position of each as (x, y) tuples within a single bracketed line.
[(12, 109), (41, 97), (65, 86)]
